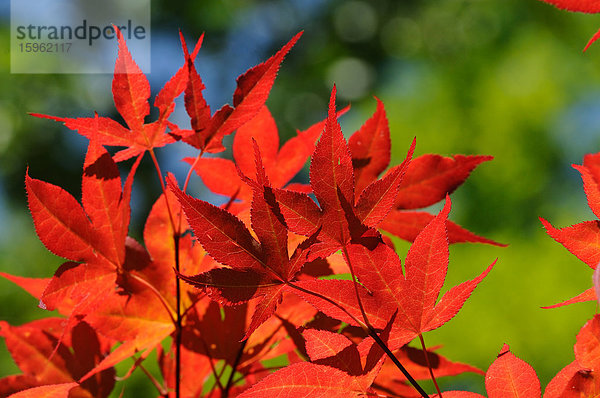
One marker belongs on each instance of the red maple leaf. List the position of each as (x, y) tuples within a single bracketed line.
[(427, 180), (507, 377), (583, 239), (387, 289), (253, 88), (258, 269), (338, 368), (131, 91), (34, 349), (93, 237), (281, 164), (338, 218)]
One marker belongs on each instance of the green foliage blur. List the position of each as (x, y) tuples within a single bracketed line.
[(498, 77)]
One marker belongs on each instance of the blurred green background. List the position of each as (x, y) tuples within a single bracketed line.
[(499, 77)]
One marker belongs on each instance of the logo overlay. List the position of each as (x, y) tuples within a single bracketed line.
[(77, 36)]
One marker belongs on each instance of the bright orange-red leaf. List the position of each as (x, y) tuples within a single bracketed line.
[(509, 376)]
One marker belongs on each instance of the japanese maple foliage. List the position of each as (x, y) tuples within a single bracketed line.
[(220, 292)]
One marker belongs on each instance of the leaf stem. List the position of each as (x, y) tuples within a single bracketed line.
[(212, 366), (236, 362), (189, 174), (161, 389), (373, 332), (330, 301), (156, 292), (178, 319), (162, 185), (429, 365), (391, 355), (178, 325), (355, 283)]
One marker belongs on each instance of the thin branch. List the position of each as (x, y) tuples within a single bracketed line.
[(355, 283), (373, 332), (236, 362), (176, 236), (178, 325), (162, 185), (212, 366), (189, 174), (162, 390), (391, 355), (157, 293), (429, 365)]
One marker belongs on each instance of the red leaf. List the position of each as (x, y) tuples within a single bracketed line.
[(587, 347), (103, 130), (64, 227), (36, 350), (377, 199), (370, 147), (589, 6), (293, 154), (426, 267), (509, 376), (31, 345), (583, 240), (267, 221), (430, 177), (195, 104), (49, 391), (262, 129), (101, 199), (252, 90), (588, 295), (130, 87), (164, 100), (407, 225), (138, 319), (303, 380), (76, 288), (592, 40), (301, 213), (573, 382), (221, 234), (33, 286), (131, 91), (590, 174), (331, 176), (559, 385), (413, 295), (60, 221)]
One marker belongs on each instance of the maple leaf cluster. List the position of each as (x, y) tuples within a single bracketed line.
[(294, 272)]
